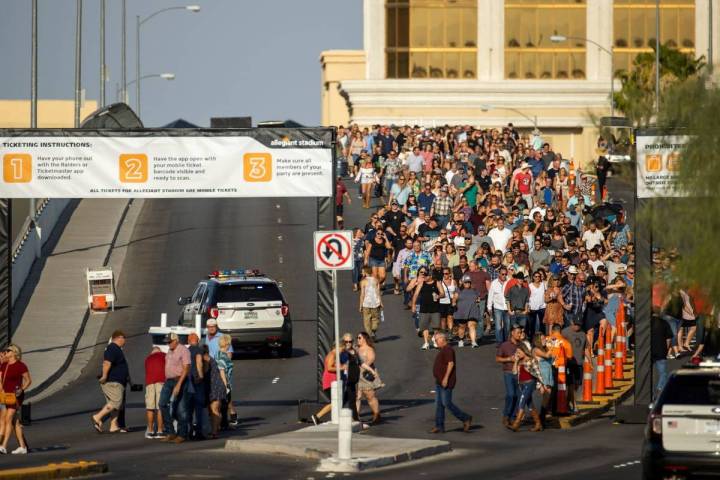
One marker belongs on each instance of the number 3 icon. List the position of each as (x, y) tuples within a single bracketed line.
[(257, 167)]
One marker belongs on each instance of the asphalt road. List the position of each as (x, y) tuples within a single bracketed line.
[(177, 242)]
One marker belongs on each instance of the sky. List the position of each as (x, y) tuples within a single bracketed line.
[(233, 58)]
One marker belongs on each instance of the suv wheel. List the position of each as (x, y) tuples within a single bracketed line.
[(286, 350)]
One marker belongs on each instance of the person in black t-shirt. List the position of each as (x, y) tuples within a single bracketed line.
[(115, 375), (444, 371), (660, 336)]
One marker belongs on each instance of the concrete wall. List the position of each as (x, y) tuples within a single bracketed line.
[(338, 65), (51, 113), (26, 249)]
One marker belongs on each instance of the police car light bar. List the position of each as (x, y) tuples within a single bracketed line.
[(235, 273)]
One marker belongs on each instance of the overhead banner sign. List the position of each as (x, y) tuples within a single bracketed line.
[(166, 163), (658, 161)]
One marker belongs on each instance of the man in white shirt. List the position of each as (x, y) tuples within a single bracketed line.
[(415, 161), (497, 307), (592, 237), (500, 235)]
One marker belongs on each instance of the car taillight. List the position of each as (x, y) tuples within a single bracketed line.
[(284, 310), (213, 312), (656, 424)]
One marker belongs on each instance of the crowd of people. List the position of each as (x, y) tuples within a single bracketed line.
[(490, 236)]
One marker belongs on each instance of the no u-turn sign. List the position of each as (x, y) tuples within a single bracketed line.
[(333, 250)]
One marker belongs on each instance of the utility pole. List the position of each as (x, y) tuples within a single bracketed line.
[(657, 56), (102, 53), (78, 54), (33, 67), (123, 55)]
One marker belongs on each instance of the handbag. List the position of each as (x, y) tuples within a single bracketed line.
[(8, 399)]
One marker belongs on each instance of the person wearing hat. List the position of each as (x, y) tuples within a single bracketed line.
[(468, 311), (114, 377), (154, 380), (442, 207), (174, 394)]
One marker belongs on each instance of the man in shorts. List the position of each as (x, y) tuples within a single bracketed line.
[(154, 380), (115, 374), (428, 292)]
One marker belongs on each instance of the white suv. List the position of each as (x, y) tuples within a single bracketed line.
[(682, 437)]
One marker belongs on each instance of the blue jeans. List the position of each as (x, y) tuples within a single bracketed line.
[(674, 326), (535, 322), (511, 394), (526, 395), (519, 318), (357, 266), (179, 407), (196, 407), (662, 375), (502, 324), (443, 400)]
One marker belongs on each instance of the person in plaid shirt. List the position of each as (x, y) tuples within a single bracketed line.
[(494, 268), (442, 207), (390, 171), (573, 295), (416, 259)]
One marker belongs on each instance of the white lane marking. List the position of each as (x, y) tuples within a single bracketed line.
[(279, 220), (275, 380), (628, 464), (280, 259), (279, 237), (277, 205)]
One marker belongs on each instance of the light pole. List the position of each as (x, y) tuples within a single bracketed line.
[(139, 23), (532, 120), (123, 54), (657, 57), (164, 76), (563, 38), (78, 55), (33, 68), (102, 53)]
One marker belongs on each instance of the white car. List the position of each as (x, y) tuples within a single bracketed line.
[(682, 437)]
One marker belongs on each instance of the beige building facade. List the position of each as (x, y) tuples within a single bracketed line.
[(51, 113), (490, 62)]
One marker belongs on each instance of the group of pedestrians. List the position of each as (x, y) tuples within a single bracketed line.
[(183, 387), (489, 234)]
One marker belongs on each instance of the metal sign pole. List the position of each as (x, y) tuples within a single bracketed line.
[(338, 394)]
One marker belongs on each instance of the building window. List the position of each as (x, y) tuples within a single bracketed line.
[(529, 53), (431, 38), (634, 28)]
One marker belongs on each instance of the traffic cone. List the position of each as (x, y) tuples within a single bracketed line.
[(622, 334), (587, 380), (604, 193), (600, 369), (561, 402), (608, 358)]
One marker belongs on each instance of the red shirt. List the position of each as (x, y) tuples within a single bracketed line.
[(12, 375), (155, 368), (340, 190), (524, 180)]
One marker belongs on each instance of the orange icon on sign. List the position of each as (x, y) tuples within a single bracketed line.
[(17, 167), (653, 162), (133, 168), (257, 167), (673, 162)]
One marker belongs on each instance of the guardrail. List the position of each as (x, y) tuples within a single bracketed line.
[(27, 245)]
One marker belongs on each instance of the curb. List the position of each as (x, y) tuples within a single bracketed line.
[(603, 403), (332, 464), (55, 470), (275, 448)]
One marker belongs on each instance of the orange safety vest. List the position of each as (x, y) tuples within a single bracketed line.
[(563, 348)]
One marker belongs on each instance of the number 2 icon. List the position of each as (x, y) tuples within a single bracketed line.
[(133, 168)]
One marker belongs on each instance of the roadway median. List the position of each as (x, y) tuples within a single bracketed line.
[(55, 470)]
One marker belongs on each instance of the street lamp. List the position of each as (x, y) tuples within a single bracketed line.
[(164, 76), (532, 120), (563, 38), (139, 23)]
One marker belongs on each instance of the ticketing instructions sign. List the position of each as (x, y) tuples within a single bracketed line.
[(333, 250), (658, 161), (166, 163)]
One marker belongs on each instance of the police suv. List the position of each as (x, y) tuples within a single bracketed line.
[(246, 304), (682, 437)]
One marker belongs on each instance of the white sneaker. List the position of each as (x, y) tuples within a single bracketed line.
[(475, 345), (149, 434), (426, 346), (314, 419), (434, 344), (19, 451), (461, 344), (159, 436), (3, 451)]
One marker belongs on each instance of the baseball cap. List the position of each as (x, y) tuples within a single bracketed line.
[(516, 326), (459, 241), (481, 228), (572, 269), (444, 188), (466, 279), (173, 337), (211, 322), (394, 203), (621, 269)]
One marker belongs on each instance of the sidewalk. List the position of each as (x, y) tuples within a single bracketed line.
[(57, 312), (320, 443)]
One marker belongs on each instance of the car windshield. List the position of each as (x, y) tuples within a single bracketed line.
[(692, 390), (248, 292)]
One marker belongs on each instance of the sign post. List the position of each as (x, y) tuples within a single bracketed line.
[(333, 251)]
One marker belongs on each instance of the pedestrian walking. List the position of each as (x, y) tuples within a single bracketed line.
[(328, 377), (505, 356), (174, 396), (212, 340), (351, 374), (428, 293), (554, 305), (217, 393), (497, 306), (528, 374), (114, 377), (196, 389), (15, 382), (369, 381), (225, 364), (154, 380), (445, 373), (469, 311), (370, 302), (545, 362)]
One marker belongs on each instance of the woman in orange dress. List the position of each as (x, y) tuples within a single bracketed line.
[(555, 306)]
